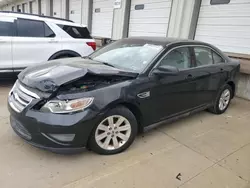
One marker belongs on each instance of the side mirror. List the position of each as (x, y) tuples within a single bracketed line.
[(165, 70)]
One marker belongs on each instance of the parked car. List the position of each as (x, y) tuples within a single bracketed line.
[(103, 100), (27, 39)]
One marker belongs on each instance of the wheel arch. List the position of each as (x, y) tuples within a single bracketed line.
[(132, 107), (137, 113), (64, 52), (232, 85)]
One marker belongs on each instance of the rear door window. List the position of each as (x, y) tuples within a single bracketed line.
[(33, 28), (206, 56), (76, 32), (203, 56), (6, 28)]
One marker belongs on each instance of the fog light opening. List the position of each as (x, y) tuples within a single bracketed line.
[(62, 137)]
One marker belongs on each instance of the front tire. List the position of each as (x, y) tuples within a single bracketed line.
[(223, 100), (115, 132)]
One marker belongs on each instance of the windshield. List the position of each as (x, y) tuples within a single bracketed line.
[(127, 55)]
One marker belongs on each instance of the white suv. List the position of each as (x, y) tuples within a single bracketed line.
[(29, 39)]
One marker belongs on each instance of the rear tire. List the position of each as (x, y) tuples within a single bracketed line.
[(115, 132), (223, 100)]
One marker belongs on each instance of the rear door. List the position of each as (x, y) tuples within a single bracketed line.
[(6, 33), (35, 42), (208, 72)]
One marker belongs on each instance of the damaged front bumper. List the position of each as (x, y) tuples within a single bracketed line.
[(51, 131)]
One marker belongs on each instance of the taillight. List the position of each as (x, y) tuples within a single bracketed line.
[(92, 45)]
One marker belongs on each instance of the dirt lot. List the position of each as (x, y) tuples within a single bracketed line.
[(203, 150)]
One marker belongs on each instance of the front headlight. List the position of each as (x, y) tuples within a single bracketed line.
[(58, 106)]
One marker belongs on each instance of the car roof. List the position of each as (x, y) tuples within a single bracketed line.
[(40, 18), (164, 41), (170, 42)]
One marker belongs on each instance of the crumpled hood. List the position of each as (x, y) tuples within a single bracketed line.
[(48, 77)]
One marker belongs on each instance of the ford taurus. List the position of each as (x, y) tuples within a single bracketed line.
[(102, 101)]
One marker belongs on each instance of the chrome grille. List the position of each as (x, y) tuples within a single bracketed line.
[(20, 97)]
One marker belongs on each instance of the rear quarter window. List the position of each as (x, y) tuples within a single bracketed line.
[(76, 32), (217, 58)]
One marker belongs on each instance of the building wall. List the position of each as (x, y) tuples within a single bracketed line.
[(226, 26), (178, 26), (243, 86), (8, 7)]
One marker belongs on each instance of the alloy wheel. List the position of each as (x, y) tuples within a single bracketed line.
[(113, 132), (224, 99)]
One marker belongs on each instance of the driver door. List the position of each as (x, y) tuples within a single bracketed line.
[(171, 94)]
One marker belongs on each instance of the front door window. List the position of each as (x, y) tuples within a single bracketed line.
[(179, 58)]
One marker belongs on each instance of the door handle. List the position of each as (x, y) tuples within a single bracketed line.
[(189, 77), (221, 69)]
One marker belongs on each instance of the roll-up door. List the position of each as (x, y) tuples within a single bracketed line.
[(75, 8), (225, 25), (102, 18), (34, 6), (25, 7), (149, 18), (57, 8), (43, 7)]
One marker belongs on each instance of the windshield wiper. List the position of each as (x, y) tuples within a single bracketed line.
[(108, 64), (105, 63)]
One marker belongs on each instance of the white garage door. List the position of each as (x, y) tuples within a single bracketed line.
[(18, 7), (25, 7), (34, 7), (57, 8), (102, 18), (75, 13), (149, 17), (43, 7), (227, 26)]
